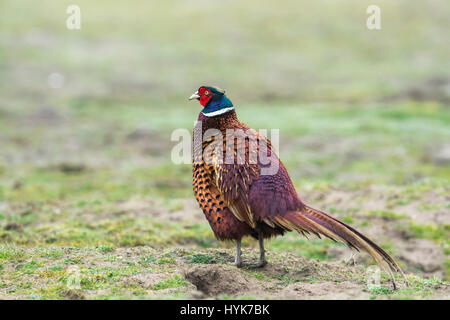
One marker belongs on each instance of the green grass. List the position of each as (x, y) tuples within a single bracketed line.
[(199, 258), (258, 275), (174, 282), (379, 290), (312, 249), (433, 232), (153, 260), (389, 215)]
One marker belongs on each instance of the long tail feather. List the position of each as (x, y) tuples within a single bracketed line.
[(318, 222)]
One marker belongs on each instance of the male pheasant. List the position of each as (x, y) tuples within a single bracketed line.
[(239, 199)]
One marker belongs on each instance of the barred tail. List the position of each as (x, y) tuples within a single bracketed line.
[(310, 220)]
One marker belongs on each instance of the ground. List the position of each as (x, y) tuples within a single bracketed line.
[(146, 273), (92, 207)]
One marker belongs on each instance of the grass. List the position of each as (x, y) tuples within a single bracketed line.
[(417, 286), (113, 277), (202, 259), (313, 249), (389, 215), (174, 282), (433, 232)]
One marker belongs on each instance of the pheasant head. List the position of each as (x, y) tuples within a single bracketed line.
[(213, 100)]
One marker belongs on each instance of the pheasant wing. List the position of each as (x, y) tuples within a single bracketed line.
[(235, 171)]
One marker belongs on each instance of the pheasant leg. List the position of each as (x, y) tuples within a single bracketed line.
[(262, 253), (238, 258)]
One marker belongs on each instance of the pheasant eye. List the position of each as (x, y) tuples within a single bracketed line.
[(206, 92)]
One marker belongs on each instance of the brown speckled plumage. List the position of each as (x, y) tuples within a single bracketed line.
[(215, 188)]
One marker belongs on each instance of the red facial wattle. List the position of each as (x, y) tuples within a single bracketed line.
[(205, 96)]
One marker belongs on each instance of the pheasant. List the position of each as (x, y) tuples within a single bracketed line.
[(241, 197)]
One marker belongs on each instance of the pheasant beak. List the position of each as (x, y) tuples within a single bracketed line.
[(194, 96)]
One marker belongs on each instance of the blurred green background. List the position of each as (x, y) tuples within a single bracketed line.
[(86, 117)]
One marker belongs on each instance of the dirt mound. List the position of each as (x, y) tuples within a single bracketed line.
[(324, 290), (218, 279), (71, 294), (146, 280), (424, 255), (45, 115)]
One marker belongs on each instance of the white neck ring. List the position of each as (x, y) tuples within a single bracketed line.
[(218, 112)]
